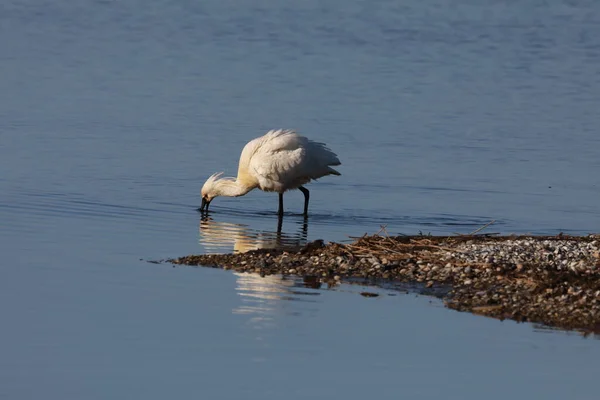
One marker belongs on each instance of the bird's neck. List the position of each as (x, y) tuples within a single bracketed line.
[(233, 188)]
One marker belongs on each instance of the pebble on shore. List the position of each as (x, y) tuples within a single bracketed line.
[(553, 280)]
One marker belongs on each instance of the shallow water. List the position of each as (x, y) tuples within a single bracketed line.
[(445, 117)]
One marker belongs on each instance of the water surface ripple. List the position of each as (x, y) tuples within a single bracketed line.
[(445, 115)]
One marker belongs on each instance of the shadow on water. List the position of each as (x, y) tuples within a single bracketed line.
[(214, 236)]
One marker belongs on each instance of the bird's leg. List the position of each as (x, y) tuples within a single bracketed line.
[(306, 197), (305, 227), (280, 212), (279, 226)]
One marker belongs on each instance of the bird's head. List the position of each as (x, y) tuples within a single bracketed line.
[(210, 190)]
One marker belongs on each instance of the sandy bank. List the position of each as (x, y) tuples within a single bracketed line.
[(554, 280)]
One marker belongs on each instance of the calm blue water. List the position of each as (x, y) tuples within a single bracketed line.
[(446, 115)]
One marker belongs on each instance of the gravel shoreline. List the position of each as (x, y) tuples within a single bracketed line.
[(552, 280)]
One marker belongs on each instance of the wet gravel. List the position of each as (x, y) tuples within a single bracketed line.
[(553, 280)]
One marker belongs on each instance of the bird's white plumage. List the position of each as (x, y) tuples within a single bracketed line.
[(283, 160), (276, 162)]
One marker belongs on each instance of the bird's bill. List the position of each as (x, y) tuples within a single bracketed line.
[(204, 205)]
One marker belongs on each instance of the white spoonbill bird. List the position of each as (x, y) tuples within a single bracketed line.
[(276, 162)]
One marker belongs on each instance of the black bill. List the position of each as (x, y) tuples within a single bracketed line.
[(204, 205)]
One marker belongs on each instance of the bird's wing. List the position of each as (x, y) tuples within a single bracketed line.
[(285, 160), (278, 161)]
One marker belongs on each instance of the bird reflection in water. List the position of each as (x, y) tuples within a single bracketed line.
[(262, 298), (220, 237)]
